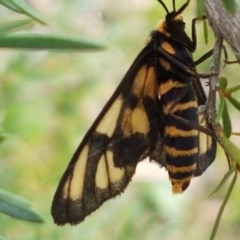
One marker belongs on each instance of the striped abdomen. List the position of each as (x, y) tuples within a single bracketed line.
[(179, 103)]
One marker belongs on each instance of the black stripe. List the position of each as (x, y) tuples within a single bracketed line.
[(181, 125), (172, 94), (181, 143), (181, 161), (180, 175)]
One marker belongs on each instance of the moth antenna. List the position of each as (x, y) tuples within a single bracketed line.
[(174, 5), (164, 6), (182, 8)]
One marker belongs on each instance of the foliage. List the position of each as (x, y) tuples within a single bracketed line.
[(11, 204)]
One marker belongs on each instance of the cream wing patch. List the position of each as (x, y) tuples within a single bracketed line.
[(140, 121), (116, 174), (108, 122), (101, 178), (135, 121), (107, 173), (73, 187), (205, 140)]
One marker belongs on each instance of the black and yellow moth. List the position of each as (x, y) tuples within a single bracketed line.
[(151, 114)]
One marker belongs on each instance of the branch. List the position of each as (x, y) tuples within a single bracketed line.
[(224, 24)]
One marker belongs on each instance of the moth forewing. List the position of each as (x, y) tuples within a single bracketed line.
[(125, 133)]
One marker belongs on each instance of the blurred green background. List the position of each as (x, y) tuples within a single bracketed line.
[(50, 98)]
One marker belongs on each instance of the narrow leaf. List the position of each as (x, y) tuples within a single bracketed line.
[(227, 125), (224, 203), (15, 25), (230, 148), (222, 106), (9, 4), (233, 89), (200, 9), (20, 6), (17, 207), (234, 102), (205, 31), (43, 42), (224, 180)]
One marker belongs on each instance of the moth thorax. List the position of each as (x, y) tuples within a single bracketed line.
[(162, 28)]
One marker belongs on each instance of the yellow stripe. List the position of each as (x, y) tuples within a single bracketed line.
[(165, 64), (176, 132), (169, 85), (175, 169), (168, 47), (180, 153), (178, 106), (181, 181)]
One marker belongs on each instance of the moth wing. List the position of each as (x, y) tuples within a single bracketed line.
[(206, 147), (125, 132), (206, 143)]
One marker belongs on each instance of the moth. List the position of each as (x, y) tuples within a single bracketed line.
[(152, 114)]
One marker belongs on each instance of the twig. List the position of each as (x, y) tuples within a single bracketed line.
[(224, 24)]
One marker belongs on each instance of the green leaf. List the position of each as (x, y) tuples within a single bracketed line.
[(200, 9), (9, 4), (224, 180), (15, 25), (230, 148), (46, 41), (205, 31), (227, 125), (222, 106), (20, 6), (223, 82), (234, 102), (233, 89), (230, 5), (17, 207), (223, 205)]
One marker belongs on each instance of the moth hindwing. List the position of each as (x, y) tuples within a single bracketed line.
[(141, 120)]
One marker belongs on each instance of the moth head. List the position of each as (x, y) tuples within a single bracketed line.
[(173, 26)]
